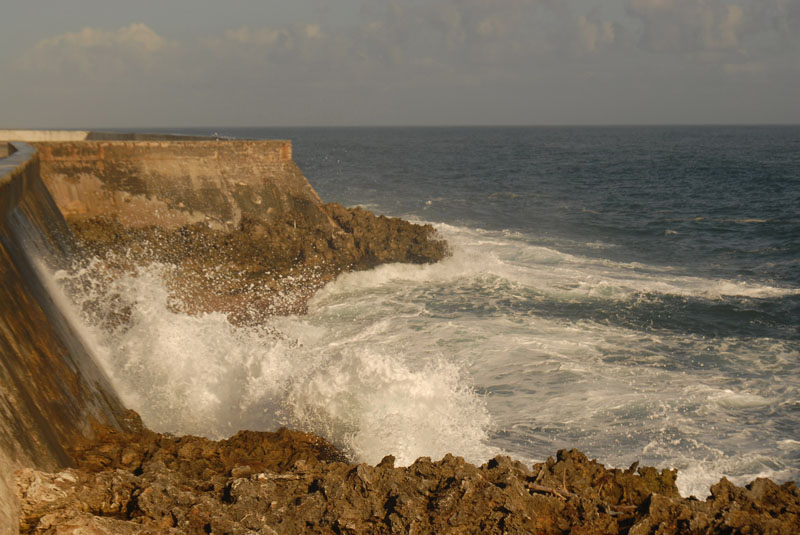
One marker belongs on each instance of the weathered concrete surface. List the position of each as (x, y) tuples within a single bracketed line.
[(33, 136), (50, 389), (175, 183), (30, 136)]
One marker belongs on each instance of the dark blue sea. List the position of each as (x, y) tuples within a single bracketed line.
[(633, 292)]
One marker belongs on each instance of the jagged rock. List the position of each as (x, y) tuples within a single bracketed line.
[(290, 482), (263, 268)]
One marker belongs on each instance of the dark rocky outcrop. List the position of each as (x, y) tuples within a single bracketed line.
[(291, 482), (262, 268)]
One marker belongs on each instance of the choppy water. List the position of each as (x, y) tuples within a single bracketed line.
[(632, 292)]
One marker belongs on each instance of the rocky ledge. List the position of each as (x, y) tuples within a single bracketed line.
[(291, 482), (262, 268)]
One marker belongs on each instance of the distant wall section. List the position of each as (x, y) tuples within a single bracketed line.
[(43, 135), (177, 182)]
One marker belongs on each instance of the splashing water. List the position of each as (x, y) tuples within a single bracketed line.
[(202, 375), (467, 356)]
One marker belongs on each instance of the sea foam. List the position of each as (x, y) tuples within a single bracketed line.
[(488, 351), (202, 375)]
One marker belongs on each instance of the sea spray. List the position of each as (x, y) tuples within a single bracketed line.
[(202, 375), (507, 346), (610, 284)]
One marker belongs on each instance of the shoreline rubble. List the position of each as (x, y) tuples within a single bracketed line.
[(293, 482)]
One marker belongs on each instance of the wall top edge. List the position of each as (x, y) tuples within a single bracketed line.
[(43, 136), (22, 153)]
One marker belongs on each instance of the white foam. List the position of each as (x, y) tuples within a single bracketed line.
[(551, 270), (479, 254), (201, 375), (696, 476)]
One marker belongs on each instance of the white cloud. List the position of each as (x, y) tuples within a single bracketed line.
[(94, 50)]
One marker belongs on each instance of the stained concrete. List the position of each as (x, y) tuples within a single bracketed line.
[(51, 390), (176, 182)]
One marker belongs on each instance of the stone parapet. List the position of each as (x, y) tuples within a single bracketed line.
[(175, 183)]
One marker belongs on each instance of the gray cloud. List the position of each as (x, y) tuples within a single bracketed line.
[(689, 25), (746, 36), (92, 50), (443, 61)]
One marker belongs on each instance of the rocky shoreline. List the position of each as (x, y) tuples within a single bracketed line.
[(262, 268), (291, 482), (139, 481)]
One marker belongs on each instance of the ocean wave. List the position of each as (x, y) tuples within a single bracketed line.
[(201, 375), (509, 256), (462, 357)]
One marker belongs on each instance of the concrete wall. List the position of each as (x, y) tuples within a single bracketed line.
[(173, 183), (43, 135), (33, 136), (51, 390)]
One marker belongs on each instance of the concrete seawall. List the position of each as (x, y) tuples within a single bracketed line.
[(174, 183), (51, 390)]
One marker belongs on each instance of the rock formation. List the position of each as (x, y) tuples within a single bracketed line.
[(261, 268), (289, 482)]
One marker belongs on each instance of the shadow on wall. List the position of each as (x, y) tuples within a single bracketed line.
[(6, 149), (51, 390)]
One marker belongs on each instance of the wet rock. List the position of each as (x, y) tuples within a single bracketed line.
[(289, 482), (379, 239), (265, 267)]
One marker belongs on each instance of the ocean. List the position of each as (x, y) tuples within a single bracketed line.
[(633, 292)]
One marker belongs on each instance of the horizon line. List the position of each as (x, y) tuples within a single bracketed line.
[(476, 125)]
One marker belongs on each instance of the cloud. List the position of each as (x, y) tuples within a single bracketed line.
[(592, 35), (423, 61), (403, 42), (688, 26), (92, 51)]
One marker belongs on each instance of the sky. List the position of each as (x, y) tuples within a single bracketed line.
[(184, 63)]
